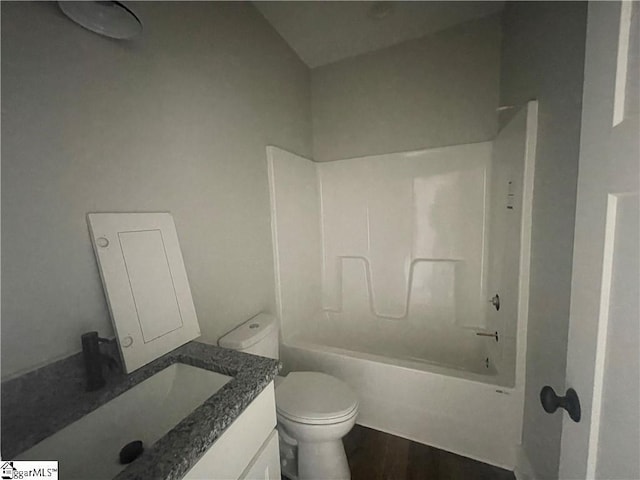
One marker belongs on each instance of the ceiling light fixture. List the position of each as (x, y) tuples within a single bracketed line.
[(112, 19)]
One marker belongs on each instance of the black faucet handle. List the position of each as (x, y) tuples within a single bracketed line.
[(89, 336), (93, 336)]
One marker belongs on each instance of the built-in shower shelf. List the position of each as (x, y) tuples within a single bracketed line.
[(438, 260), (374, 310)]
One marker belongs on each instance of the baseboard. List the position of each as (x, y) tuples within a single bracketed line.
[(523, 469)]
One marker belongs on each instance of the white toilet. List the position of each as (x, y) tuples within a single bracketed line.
[(314, 410)]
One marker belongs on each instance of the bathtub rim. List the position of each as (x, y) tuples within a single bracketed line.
[(432, 368)]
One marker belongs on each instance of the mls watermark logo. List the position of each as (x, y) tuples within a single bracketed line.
[(18, 470)]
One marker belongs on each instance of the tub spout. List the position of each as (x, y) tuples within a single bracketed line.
[(483, 334)]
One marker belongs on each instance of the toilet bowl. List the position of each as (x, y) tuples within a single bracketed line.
[(314, 410)]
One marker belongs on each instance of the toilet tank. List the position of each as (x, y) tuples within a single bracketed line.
[(258, 336)]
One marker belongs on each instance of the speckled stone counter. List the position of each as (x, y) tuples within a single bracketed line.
[(42, 402)]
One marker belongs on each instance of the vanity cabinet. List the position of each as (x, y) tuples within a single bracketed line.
[(248, 448)]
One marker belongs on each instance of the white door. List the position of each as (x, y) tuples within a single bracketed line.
[(602, 360)]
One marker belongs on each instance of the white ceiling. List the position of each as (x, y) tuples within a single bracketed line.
[(323, 32)]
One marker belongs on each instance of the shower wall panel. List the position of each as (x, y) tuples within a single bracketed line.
[(404, 236), (295, 225), (508, 226)]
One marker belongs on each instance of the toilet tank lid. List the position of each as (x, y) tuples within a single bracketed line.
[(249, 333)]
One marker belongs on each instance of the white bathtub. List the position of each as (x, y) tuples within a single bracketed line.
[(458, 411), (435, 344)]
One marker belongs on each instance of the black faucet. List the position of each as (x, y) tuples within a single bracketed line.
[(94, 360)]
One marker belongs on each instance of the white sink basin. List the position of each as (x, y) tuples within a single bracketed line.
[(90, 447)]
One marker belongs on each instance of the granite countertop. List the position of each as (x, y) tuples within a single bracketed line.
[(38, 404)]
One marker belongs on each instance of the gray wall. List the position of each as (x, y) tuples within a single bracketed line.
[(176, 120), (543, 58), (441, 89)]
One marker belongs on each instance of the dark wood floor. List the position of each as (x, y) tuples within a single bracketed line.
[(375, 455)]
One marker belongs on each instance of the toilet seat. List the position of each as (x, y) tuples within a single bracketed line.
[(315, 398)]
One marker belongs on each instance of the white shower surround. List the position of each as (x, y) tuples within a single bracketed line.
[(443, 395)]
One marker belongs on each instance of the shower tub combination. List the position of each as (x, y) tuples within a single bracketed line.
[(407, 276)]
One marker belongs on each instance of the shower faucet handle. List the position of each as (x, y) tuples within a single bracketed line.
[(495, 301)]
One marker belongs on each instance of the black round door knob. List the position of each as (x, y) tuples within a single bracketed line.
[(570, 402)]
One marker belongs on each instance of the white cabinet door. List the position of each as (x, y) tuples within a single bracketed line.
[(145, 283), (266, 464), (231, 454), (603, 355)]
